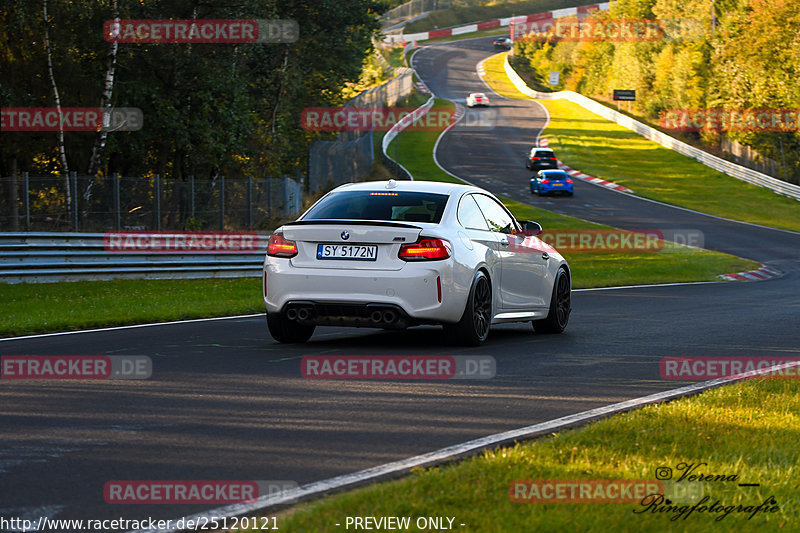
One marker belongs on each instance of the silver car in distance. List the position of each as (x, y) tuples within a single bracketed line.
[(394, 254)]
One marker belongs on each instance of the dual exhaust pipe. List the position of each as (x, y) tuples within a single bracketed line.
[(383, 317), (377, 317), (301, 313)]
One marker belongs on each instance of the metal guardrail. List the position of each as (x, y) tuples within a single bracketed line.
[(51, 257), (399, 170), (731, 169)]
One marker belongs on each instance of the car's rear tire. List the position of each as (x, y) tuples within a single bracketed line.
[(288, 331), (473, 328), (560, 306)]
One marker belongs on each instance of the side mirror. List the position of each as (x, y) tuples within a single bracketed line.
[(531, 228)]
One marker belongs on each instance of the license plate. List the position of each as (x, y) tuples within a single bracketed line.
[(558, 185), (355, 252)]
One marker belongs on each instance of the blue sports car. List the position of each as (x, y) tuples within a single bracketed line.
[(551, 181)]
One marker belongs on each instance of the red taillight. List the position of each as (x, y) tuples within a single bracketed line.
[(568, 180), (280, 247), (439, 288), (425, 250), (545, 181), (534, 158)]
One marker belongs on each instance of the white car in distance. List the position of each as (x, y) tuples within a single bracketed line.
[(394, 254), (477, 99)]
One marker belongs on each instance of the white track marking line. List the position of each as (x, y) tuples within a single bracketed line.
[(115, 328)]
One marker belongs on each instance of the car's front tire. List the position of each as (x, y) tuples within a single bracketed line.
[(288, 331), (473, 328), (560, 306)]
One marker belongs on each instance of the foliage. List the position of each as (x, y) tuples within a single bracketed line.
[(209, 109), (746, 56)]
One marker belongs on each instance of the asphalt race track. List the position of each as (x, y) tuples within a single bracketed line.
[(226, 402)]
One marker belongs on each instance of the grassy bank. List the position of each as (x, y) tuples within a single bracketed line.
[(42, 307), (604, 149), (748, 430)]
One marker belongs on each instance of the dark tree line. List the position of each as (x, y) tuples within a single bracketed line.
[(209, 109)]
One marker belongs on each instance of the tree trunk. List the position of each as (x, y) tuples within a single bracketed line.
[(61, 150), (105, 104)]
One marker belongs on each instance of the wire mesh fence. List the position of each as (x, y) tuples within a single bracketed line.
[(84, 203)]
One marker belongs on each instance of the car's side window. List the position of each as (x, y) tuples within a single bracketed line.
[(496, 216), (469, 215)]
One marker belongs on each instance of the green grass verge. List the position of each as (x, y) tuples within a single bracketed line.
[(43, 307), (749, 430), (459, 15), (604, 149), (673, 264)]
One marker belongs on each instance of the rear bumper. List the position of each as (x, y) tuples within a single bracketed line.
[(548, 190), (332, 294)]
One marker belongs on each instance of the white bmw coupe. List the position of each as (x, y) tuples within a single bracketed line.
[(402, 253)]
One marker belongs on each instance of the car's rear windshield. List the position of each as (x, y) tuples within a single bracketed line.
[(554, 175), (543, 153), (380, 205)]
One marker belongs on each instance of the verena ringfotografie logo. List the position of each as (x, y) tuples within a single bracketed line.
[(608, 29), (398, 367), (187, 242), (71, 119), (707, 368), (735, 120), (152, 31), (75, 367), (583, 490), (589, 241), (192, 491), (384, 118)]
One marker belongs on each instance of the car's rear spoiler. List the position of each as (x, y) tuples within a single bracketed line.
[(351, 222)]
